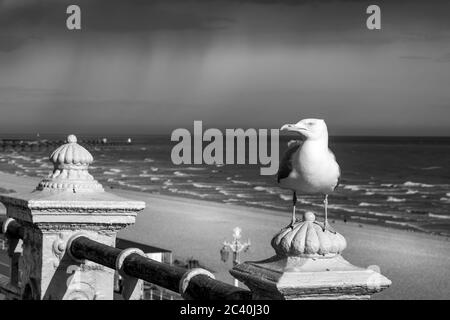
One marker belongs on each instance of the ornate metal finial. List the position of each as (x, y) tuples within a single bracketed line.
[(308, 238), (70, 169)]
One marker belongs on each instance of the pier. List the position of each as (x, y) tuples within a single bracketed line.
[(45, 144)]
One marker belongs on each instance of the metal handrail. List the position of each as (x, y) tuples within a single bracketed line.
[(191, 284), (196, 284), (11, 228)]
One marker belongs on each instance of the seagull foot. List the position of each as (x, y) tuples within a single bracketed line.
[(292, 224)]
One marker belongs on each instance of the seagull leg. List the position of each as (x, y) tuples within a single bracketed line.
[(294, 200), (325, 202)]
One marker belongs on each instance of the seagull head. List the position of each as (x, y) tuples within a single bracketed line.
[(313, 129)]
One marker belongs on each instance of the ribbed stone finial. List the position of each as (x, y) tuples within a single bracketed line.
[(308, 238), (309, 216), (70, 169), (72, 139)]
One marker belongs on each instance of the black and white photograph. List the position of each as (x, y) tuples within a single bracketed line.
[(224, 150)]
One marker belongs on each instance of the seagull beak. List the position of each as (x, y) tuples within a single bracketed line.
[(293, 127), (286, 127)]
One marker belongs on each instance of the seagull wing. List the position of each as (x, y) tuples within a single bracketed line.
[(339, 168), (285, 167)]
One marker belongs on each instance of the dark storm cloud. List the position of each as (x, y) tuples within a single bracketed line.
[(153, 64), (343, 22), (112, 15)]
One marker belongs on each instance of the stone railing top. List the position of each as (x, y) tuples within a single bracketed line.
[(308, 238), (70, 169)]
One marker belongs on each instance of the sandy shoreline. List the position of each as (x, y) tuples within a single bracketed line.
[(418, 264)]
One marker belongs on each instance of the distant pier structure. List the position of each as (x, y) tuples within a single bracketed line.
[(44, 144)]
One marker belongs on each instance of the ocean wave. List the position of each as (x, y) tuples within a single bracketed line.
[(180, 174), (417, 184), (363, 218), (266, 189), (244, 195), (149, 160), (20, 157), (155, 179), (272, 206), (241, 182), (443, 199), (352, 187), (231, 200), (145, 175), (133, 186), (285, 197), (411, 191), (367, 204), (389, 185), (194, 168), (200, 185), (154, 169), (110, 173), (126, 161), (224, 192), (394, 199), (369, 193), (253, 203), (339, 207), (380, 214), (438, 216), (431, 168), (191, 193)]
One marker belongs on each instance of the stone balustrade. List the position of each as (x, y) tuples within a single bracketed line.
[(65, 231)]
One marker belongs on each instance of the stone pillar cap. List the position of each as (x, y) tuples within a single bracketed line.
[(308, 238), (70, 169)]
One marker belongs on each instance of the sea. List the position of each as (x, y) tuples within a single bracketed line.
[(397, 182)]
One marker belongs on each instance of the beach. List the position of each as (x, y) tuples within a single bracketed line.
[(418, 264)]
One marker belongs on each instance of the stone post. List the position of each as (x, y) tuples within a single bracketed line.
[(70, 202), (308, 265)]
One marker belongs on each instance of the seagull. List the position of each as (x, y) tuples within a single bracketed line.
[(308, 166)]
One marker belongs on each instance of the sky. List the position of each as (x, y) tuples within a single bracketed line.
[(143, 66)]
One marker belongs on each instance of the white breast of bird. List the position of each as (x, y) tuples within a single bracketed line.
[(316, 171)]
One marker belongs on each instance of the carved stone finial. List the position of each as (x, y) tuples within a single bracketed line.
[(70, 169), (72, 139), (308, 238), (308, 265)]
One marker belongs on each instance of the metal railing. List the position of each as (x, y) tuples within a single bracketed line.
[(194, 284)]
